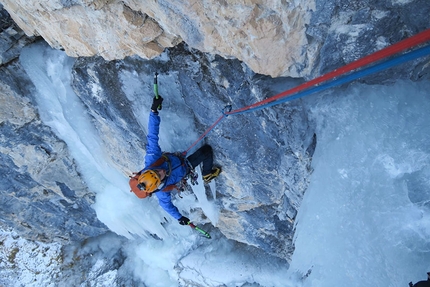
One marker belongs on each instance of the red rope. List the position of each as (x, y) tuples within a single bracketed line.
[(389, 51), (403, 45), (204, 134)]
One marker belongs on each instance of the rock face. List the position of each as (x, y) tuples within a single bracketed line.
[(276, 38), (348, 30), (269, 37), (44, 185), (253, 31), (41, 192), (262, 186), (12, 38)]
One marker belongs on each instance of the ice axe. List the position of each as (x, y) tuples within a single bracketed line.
[(207, 235), (156, 88)]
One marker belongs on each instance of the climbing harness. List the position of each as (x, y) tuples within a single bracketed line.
[(192, 174), (345, 74)]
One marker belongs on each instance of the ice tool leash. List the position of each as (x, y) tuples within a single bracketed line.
[(396, 54)]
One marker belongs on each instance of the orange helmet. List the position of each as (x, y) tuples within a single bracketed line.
[(148, 181)]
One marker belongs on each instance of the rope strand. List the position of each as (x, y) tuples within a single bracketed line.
[(340, 76)]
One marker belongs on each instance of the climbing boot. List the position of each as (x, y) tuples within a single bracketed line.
[(215, 172)]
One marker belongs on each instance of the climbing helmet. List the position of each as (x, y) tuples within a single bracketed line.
[(148, 181)]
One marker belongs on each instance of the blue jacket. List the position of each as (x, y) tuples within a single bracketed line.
[(178, 169)]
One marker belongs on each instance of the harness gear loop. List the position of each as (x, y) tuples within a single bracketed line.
[(191, 173)]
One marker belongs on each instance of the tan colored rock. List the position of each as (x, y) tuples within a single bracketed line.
[(111, 30), (267, 35), (14, 109)]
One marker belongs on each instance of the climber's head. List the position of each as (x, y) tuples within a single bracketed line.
[(149, 180)]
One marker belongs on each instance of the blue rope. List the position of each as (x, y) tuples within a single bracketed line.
[(409, 56)]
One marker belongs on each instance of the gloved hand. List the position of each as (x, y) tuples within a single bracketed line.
[(183, 220), (156, 103)]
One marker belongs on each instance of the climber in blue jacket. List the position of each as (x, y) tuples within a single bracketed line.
[(164, 172)]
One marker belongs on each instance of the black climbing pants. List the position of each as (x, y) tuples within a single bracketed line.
[(202, 155)]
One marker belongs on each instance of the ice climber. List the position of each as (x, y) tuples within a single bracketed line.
[(165, 172)]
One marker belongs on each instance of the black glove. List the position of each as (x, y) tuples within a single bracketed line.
[(183, 220), (156, 103)]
